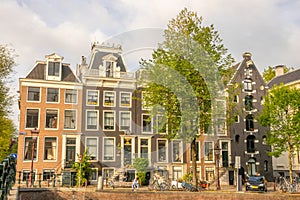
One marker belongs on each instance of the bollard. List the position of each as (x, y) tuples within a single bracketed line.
[(100, 183)]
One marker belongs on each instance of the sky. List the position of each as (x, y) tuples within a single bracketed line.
[(269, 29)]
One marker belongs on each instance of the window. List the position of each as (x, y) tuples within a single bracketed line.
[(197, 152), (125, 99), (109, 69), (209, 174), (48, 174), (108, 173), (70, 119), (177, 172), (249, 123), (52, 94), (92, 148), (109, 120), (51, 118), (248, 102), (93, 174), (26, 174), (162, 150), (237, 138), (144, 145), (177, 151), (250, 144), (33, 94), (248, 85), (53, 68), (147, 123), (160, 124), (109, 99), (144, 103), (30, 148), (50, 148), (236, 99), (264, 139), (266, 168), (92, 97), (236, 118), (92, 119), (71, 96), (224, 148), (125, 121), (70, 151), (32, 118), (208, 150), (109, 149)]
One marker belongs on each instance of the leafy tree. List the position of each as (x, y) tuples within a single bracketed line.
[(182, 80), (7, 128), (83, 168), (282, 113), (269, 73), (141, 164)]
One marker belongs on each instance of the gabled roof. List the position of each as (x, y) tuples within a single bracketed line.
[(287, 78), (39, 72)]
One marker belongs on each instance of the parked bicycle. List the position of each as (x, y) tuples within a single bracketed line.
[(158, 184)]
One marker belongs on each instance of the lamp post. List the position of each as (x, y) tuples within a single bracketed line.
[(32, 158), (217, 155)]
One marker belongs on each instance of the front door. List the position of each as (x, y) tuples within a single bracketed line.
[(70, 151)]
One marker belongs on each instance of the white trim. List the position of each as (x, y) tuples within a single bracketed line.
[(64, 117), (120, 123), (167, 150), (76, 97), (58, 97), (87, 97), (56, 149), (86, 123), (37, 149), (142, 127), (213, 152), (114, 153), (97, 150), (39, 117), (57, 123), (103, 120), (180, 151), (114, 98), (149, 147), (40, 94), (50, 84), (130, 100)]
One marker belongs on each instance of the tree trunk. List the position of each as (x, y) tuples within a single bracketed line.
[(290, 157), (194, 163)]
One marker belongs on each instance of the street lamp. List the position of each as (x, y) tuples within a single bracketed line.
[(217, 155)]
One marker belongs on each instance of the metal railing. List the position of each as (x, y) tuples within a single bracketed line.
[(7, 176)]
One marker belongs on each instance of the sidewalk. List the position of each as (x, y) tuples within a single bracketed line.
[(13, 193)]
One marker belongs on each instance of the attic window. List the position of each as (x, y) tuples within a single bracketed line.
[(53, 68), (109, 69)]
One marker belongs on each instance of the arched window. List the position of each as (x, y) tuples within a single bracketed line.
[(248, 85), (249, 123), (250, 144), (248, 102)]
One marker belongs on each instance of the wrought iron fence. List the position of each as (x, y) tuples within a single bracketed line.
[(7, 176)]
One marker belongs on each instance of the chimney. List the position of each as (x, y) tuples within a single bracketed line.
[(279, 70)]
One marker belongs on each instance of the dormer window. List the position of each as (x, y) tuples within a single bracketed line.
[(109, 69), (53, 68)]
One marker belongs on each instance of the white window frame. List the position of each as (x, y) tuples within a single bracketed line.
[(130, 99), (114, 149), (97, 147), (176, 166), (199, 152), (157, 150), (212, 149), (75, 121), (148, 146), (58, 96), (120, 121), (40, 94), (86, 120), (180, 151), (57, 119), (143, 102), (142, 125), (76, 100), (37, 149), (114, 99), (97, 174), (54, 160), (87, 98), (114, 122), (38, 120)]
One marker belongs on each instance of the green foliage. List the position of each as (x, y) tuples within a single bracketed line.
[(183, 79), (7, 128), (282, 113), (83, 168), (269, 73), (188, 177), (141, 164)]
